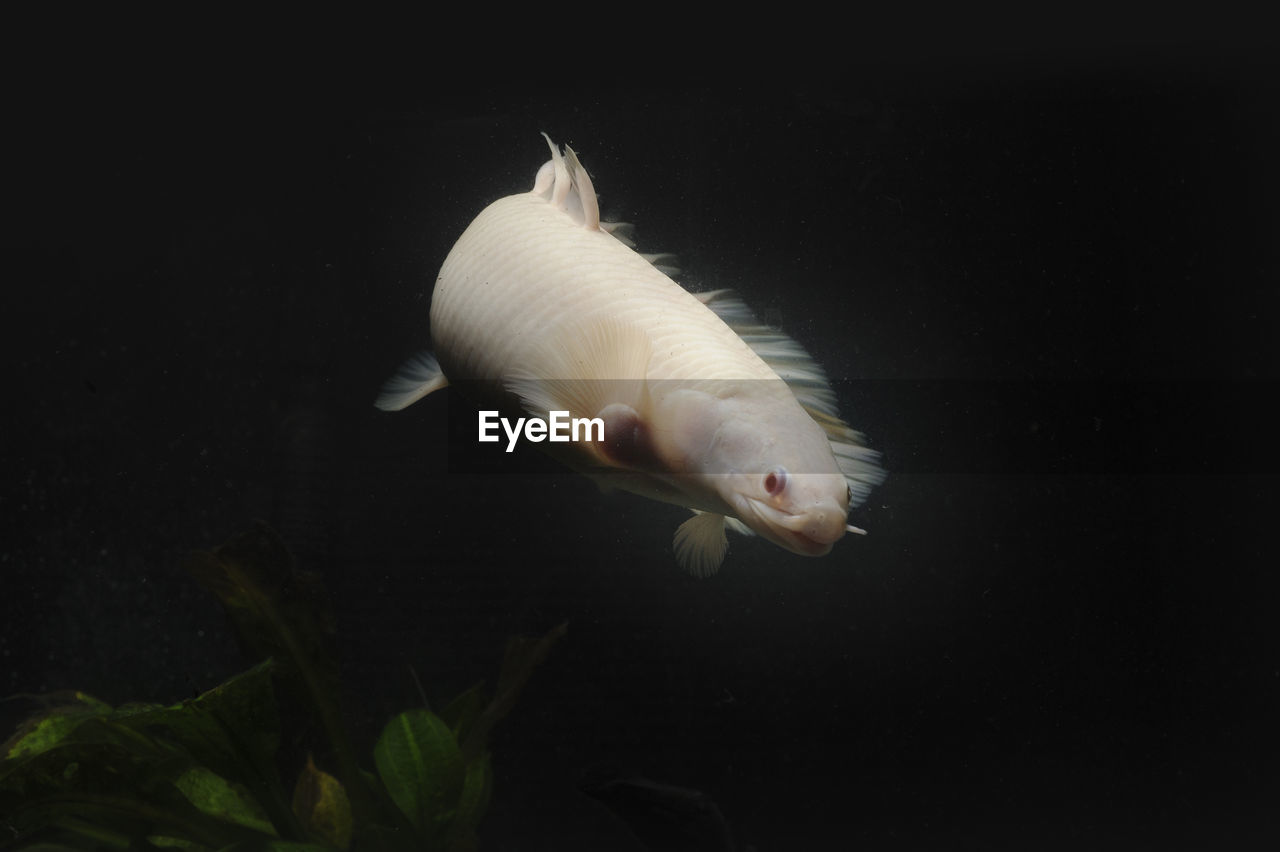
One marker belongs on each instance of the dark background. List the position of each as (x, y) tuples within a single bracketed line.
[(1045, 280)]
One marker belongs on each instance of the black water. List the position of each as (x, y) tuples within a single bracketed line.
[(1047, 287)]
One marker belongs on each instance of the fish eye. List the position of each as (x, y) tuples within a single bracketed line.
[(775, 481)]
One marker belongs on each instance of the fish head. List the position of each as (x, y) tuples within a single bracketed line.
[(770, 464), (802, 512)]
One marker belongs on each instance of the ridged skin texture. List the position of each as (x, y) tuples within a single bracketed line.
[(523, 267)]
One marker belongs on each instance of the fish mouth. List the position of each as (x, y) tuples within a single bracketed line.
[(806, 534)]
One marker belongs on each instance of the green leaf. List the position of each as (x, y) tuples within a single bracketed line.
[(201, 775), (44, 735), (165, 842), (320, 803), (233, 729), (277, 846), (143, 770), (93, 758), (46, 730), (421, 767), (461, 712), (123, 817), (472, 803), (278, 611), (522, 657), (276, 608), (214, 795), (100, 836)]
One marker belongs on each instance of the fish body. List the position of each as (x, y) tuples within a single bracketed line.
[(702, 406), (662, 816)]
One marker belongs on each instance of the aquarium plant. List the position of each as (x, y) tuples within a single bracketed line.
[(215, 772)]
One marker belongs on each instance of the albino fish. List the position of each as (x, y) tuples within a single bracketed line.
[(702, 406)]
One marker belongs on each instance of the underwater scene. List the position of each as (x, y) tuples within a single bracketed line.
[(921, 497)]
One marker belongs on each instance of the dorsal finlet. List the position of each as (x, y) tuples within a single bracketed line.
[(586, 192), (563, 183), (544, 179)]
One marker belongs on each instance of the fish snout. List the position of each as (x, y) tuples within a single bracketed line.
[(809, 532), (823, 524)]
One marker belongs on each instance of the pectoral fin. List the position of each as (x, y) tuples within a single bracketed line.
[(416, 378), (700, 544)]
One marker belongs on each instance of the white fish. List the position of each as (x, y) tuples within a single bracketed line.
[(703, 407)]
